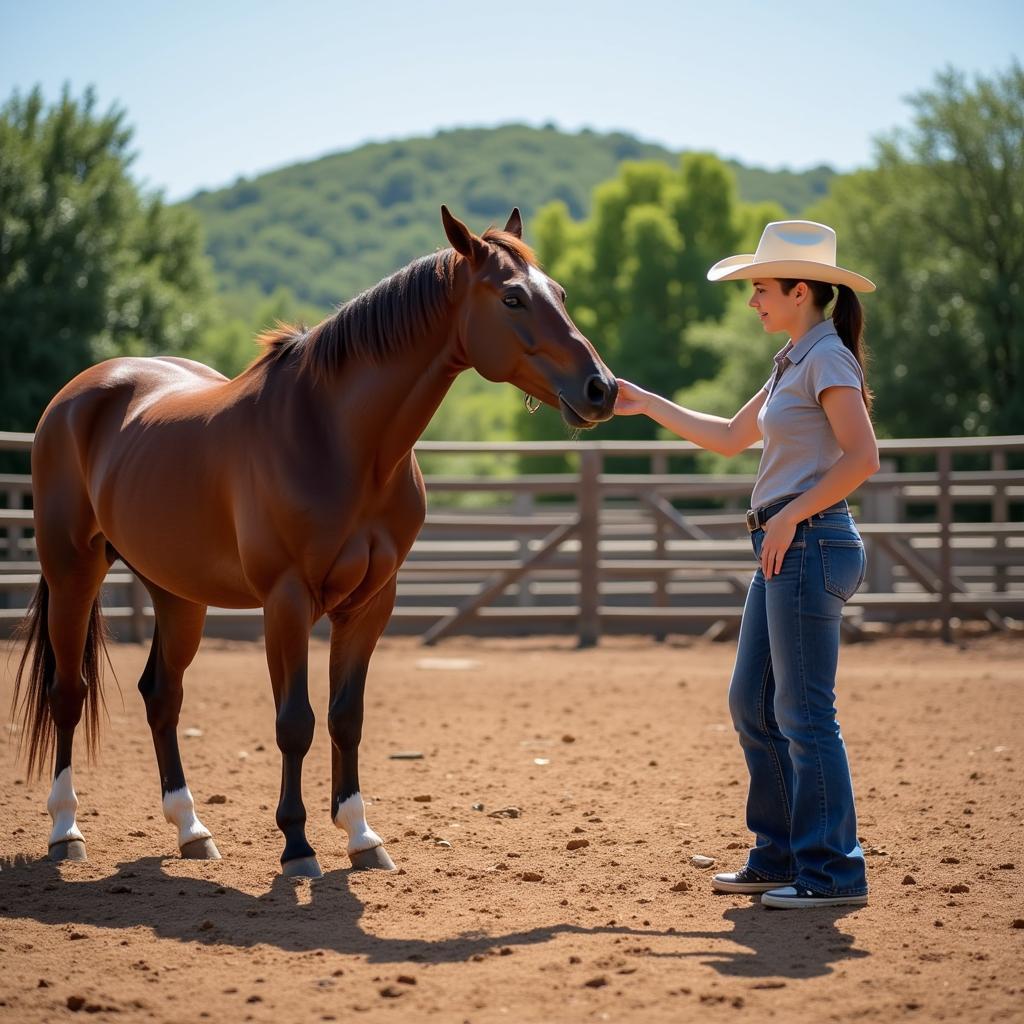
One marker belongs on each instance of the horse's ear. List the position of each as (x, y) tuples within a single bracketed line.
[(515, 223), (463, 240)]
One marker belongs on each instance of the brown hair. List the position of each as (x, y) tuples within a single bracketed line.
[(847, 318)]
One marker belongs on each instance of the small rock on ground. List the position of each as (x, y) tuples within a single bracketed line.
[(506, 812)]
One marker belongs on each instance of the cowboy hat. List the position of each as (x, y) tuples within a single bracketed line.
[(798, 249)]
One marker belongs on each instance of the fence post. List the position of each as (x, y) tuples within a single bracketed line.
[(523, 506), (945, 510), (16, 501), (589, 519), (138, 620), (1000, 514), (880, 505), (659, 466)]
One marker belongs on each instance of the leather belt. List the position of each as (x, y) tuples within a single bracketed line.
[(757, 517)]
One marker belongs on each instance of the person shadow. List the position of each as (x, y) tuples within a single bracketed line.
[(793, 944), (325, 914)]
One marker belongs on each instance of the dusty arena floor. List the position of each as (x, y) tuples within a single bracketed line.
[(627, 747)]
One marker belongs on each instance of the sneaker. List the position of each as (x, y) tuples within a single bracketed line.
[(793, 897), (744, 880)]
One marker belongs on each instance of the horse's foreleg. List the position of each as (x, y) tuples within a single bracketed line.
[(176, 637), (288, 616), (352, 643)]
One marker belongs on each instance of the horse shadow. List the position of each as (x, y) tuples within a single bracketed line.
[(293, 915), (303, 916)]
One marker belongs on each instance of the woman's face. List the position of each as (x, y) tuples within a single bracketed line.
[(778, 311)]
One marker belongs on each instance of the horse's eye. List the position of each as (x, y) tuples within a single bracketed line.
[(512, 301)]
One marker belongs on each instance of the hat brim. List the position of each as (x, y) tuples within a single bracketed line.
[(743, 268)]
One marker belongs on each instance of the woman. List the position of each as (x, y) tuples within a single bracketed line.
[(819, 445)]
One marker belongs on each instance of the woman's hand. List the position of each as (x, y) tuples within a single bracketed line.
[(631, 400), (778, 535)]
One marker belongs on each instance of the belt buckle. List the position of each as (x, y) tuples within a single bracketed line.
[(751, 517)]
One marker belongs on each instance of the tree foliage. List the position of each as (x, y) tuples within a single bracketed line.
[(332, 227), (635, 273), (939, 225), (89, 267)]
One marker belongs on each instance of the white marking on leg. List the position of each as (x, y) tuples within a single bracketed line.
[(351, 816), (63, 805), (180, 810)]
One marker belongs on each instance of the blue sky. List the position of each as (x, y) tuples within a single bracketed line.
[(225, 88)]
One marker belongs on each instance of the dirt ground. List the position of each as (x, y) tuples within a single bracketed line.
[(627, 747)]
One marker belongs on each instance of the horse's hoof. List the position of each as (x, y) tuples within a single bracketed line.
[(367, 860), (70, 849), (200, 849), (302, 867)]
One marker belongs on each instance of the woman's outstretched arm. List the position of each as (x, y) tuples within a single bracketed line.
[(717, 434)]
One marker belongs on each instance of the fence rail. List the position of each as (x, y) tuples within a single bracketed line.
[(652, 552)]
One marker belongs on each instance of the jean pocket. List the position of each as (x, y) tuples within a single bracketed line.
[(844, 564), (836, 520)]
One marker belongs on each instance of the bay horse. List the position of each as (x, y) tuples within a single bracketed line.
[(293, 487)]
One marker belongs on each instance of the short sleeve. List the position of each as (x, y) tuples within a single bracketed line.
[(835, 367)]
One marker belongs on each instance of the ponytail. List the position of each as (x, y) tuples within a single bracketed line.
[(847, 318)]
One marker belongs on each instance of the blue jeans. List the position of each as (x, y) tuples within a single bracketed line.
[(782, 701)]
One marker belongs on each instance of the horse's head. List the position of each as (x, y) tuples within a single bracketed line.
[(514, 326)]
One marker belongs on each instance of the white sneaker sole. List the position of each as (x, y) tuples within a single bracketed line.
[(783, 899)]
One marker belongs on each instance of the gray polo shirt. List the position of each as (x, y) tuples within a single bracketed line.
[(799, 445)]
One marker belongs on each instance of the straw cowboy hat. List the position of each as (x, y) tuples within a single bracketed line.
[(791, 249)]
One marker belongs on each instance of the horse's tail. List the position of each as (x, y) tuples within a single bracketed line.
[(37, 669)]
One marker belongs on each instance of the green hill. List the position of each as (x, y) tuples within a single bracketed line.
[(329, 228)]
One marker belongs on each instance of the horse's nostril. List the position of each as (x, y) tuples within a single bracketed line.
[(596, 389)]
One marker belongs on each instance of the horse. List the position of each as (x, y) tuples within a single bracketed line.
[(292, 487)]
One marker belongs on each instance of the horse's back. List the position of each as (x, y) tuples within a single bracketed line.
[(114, 386)]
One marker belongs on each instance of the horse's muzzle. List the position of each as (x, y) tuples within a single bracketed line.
[(595, 405)]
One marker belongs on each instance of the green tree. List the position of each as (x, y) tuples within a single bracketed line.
[(328, 228), (229, 342), (939, 225), (635, 274), (89, 267)]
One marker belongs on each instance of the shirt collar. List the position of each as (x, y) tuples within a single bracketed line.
[(783, 353), (807, 341)]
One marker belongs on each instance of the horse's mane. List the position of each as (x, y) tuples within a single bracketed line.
[(383, 320)]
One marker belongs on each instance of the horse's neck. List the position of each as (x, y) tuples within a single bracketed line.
[(393, 401)]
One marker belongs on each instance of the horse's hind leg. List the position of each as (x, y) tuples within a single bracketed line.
[(352, 643), (176, 637), (74, 633)]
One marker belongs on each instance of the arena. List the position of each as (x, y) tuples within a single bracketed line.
[(544, 842)]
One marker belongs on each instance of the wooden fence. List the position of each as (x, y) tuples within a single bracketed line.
[(591, 550)]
